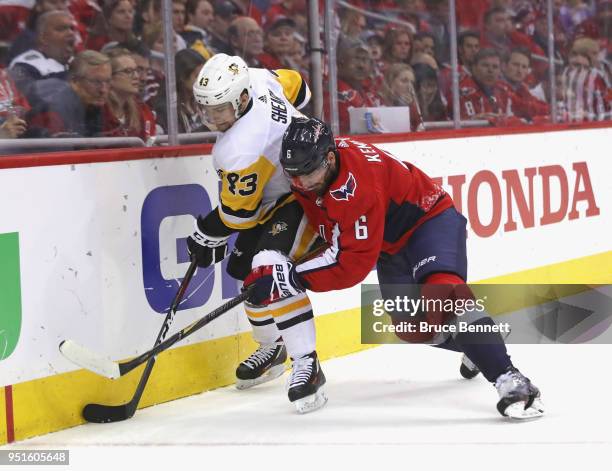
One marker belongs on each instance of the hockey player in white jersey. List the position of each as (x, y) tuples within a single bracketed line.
[(252, 109)]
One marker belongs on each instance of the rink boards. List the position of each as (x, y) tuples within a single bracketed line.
[(94, 252)]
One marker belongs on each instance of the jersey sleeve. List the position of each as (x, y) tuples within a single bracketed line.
[(355, 246), (242, 192), (294, 86)]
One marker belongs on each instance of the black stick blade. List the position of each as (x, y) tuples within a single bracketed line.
[(102, 414)]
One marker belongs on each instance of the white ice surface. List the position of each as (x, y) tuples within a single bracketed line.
[(393, 406)]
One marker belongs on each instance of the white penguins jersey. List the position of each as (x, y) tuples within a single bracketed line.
[(246, 156)]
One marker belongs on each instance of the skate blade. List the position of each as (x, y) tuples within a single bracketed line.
[(311, 403), (518, 411), (269, 375)]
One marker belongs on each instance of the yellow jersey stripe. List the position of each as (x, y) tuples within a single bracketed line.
[(290, 307)]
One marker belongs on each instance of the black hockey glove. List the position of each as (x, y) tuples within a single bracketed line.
[(207, 249)]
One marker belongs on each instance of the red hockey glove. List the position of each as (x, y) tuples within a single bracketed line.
[(273, 281)]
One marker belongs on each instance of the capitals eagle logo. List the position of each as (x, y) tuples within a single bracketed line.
[(346, 190)]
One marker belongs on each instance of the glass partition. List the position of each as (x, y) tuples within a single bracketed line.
[(82, 70)]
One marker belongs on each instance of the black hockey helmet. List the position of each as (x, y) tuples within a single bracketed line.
[(306, 143)]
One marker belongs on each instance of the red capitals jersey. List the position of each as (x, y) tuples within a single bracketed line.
[(524, 104), (373, 205), (350, 97)]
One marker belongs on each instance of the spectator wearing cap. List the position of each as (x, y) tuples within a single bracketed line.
[(398, 46), (432, 105), (468, 45), (200, 15), (354, 86), (398, 90), (225, 13), (279, 43), (55, 40), (247, 40), (516, 68), (117, 24), (481, 96), (13, 108), (124, 114), (74, 108)]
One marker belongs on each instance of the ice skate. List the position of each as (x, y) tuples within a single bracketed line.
[(305, 385), (468, 369), (519, 399), (265, 364)]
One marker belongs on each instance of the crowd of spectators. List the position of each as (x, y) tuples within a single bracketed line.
[(96, 67)]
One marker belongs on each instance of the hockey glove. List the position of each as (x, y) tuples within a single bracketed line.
[(206, 249), (273, 281)]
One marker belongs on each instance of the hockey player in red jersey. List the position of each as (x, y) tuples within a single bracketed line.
[(373, 209)]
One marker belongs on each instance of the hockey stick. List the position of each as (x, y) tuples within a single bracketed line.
[(97, 364), (100, 413)]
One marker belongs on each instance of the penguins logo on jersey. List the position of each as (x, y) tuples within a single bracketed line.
[(277, 228), (233, 68), (346, 190)]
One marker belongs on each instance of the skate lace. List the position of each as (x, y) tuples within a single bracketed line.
[(511, 381), (301, 371), (260, 356)]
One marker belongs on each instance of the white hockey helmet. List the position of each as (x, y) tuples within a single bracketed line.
[(222, 80)]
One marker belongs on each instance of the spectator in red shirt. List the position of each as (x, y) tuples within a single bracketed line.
[(117, 27), (481, 96), (468, 45), (516, 68), (354, 71), (279, 43), (398, 90), (124, 113)]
